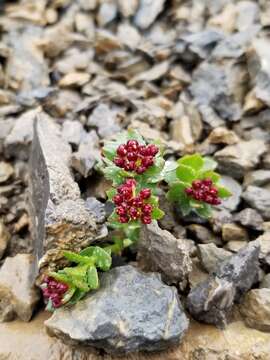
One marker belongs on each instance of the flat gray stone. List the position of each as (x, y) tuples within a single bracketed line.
[(147, 13), (249, 218), (131, 311), (235, 188)]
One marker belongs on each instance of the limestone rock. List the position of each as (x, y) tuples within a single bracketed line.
[(222, 135), (264, 242), (17, 292), (211, 301), (105, 120), (18, 142), (210, 256), (128, 8), (6, 171), (256, 309), (236, 160), (159, 250), (257, 178), (259, 199), (249, 218), (59, 217), (147, 13), (203, 234), (119, 324), (73, 132), (4, 238), (87, 155)]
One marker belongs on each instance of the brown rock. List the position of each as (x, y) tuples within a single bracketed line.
[(233, 231), (4, 238), (256, 309)]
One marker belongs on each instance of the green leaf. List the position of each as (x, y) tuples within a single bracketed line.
[(195, 204), (215, 177), (135, 135), (223, 192), (111, 193), (100, 256), (157, 214), (209, 164), (77, 258), (78, 295), (205, 211), (78, 276), (61, 276), (194, 161), (115, 174), (92, 278), (185, 173), (169, 171), (176, 191), (68, 295), (154, 173)]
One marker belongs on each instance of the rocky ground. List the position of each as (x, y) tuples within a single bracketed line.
[(196, 75)]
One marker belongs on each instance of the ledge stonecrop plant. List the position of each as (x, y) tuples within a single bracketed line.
[(135, 169), (194, 185)]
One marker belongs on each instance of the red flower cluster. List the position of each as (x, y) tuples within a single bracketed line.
[(203, 190), (132, 207), (53, 290), (135, 157)]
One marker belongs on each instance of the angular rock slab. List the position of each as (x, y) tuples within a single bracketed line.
[(60, 219), (160, 251), (211, 300), (18, 296), (131, 311)]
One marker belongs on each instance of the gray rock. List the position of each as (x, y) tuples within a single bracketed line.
[(259, 199), (264, 241), (132, 311), (6, 126), (257, 178), (18, 142), (6, 171), (128, 8), (18, 296), (210, 256), (4, 238), (97, 208), (236, 160), (59, 217), (211, 301), (87, 155), (248, 14), (73, 132), (236, 190), (256, 309), (203, 234), (210, 87), (26, 68), (235, 245), (107, 12), (219, 218), (105, 120), (159, 250), (147, 13), (249, 218), (265, 283), (202, 43)]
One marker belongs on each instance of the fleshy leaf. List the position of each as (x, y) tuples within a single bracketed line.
[(215, 177), (157, 214), (111, 193), (77, 258), (209, 164), (223, 192), (169, 171), (103, 258), (176, 191), (205, 211), (92, 278), (194, 161), (185, 173)]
